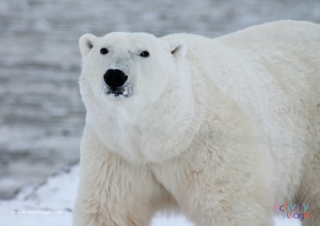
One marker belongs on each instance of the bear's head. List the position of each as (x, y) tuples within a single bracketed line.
[(128, 67), (138, 91)]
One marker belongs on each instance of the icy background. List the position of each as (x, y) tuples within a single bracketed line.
[(41, 113)]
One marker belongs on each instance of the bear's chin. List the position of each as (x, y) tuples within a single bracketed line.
[(120, 93)]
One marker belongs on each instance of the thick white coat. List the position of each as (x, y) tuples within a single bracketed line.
[(220, 129)]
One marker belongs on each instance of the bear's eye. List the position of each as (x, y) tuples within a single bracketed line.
[(104, 51), (144, 53)]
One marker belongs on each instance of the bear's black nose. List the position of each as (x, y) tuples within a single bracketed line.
[(115, 78)]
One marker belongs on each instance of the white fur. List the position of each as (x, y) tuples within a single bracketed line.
[(220, 129)]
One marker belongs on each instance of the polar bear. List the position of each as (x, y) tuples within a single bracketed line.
[(222, 130)]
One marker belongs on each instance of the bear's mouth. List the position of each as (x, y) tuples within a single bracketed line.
[(121, 92)]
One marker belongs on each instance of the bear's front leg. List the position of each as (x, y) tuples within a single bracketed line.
[(113, 192), (221, 183)]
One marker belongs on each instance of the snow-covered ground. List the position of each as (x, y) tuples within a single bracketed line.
[(41, 113), (50, 203)]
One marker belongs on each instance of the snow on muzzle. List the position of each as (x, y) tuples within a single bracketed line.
[(115, 80)]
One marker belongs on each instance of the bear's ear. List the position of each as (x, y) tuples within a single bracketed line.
[(178, 48), (86, 43)]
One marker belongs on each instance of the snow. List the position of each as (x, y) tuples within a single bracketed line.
[(50, 203)]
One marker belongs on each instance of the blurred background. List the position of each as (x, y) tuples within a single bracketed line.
[(41, 113)]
